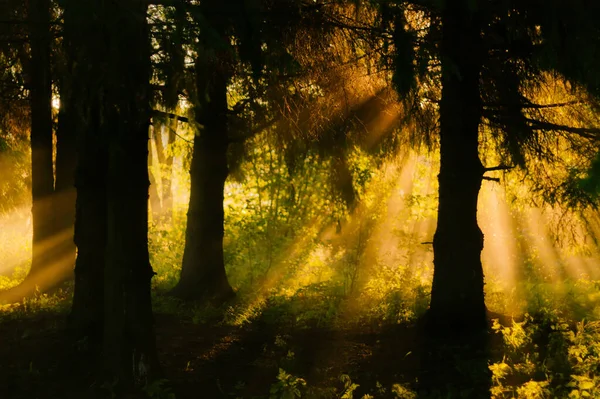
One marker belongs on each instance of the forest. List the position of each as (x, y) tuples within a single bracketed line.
[(284, 199)]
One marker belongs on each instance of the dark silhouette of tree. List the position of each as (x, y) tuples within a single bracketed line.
[(203, 273), (487, 57), (110, 50), (53, 193), (129, 350), (84, 50), (42, 175), (457, 292)]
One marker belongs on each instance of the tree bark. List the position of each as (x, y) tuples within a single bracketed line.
[(155, 205), (129, 349), (64, 188), (86, 318), (457, 297), (83, 48), (203, 275), (42, 169)]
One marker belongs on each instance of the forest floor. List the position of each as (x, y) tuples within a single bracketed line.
[(201, 361)]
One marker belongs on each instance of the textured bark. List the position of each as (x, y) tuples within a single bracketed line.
[(83, 47), (203, 275), (42, 172), (457, 297), (129, 349)]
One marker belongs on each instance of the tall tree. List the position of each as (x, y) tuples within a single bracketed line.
[(42, 168), (108, 44), (457, 296), (261, 31), (203, 273), (84, 49), (129, 349), (53, 192), (491, 55)]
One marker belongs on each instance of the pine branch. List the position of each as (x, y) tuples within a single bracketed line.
[(533, 105), (589, 133)]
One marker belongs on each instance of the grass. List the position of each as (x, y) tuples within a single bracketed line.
[(317, 340), (321, 313)]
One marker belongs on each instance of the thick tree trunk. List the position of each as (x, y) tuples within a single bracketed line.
[(82, 43), (203, 274), (129, 349), (42, 170), (86, 318), (457, 297)]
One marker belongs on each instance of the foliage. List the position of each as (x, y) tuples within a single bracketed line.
[(159, 389), (287, 386), (547, 356), (15, 184)]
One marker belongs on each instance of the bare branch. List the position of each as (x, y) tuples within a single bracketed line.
[(499, 167), (171, 116), (534, 106), (496, 179), (589, 133)]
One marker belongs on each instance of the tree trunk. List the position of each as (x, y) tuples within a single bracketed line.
[(203, 274), (129, 349), (42, 171), (155, 205), (82, 43), (64, 189), (168, 172), (457, 297), (86, 318), (53, 205)]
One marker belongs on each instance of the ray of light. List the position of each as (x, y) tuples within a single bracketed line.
[(420, 254), (545, 256), (500, 252), (15, 240), (55, 252), (385, 240)]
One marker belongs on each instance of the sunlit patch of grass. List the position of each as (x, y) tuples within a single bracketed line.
[(41, 304), (393, 295), (290, 262), (166, 243), (17, 276)]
